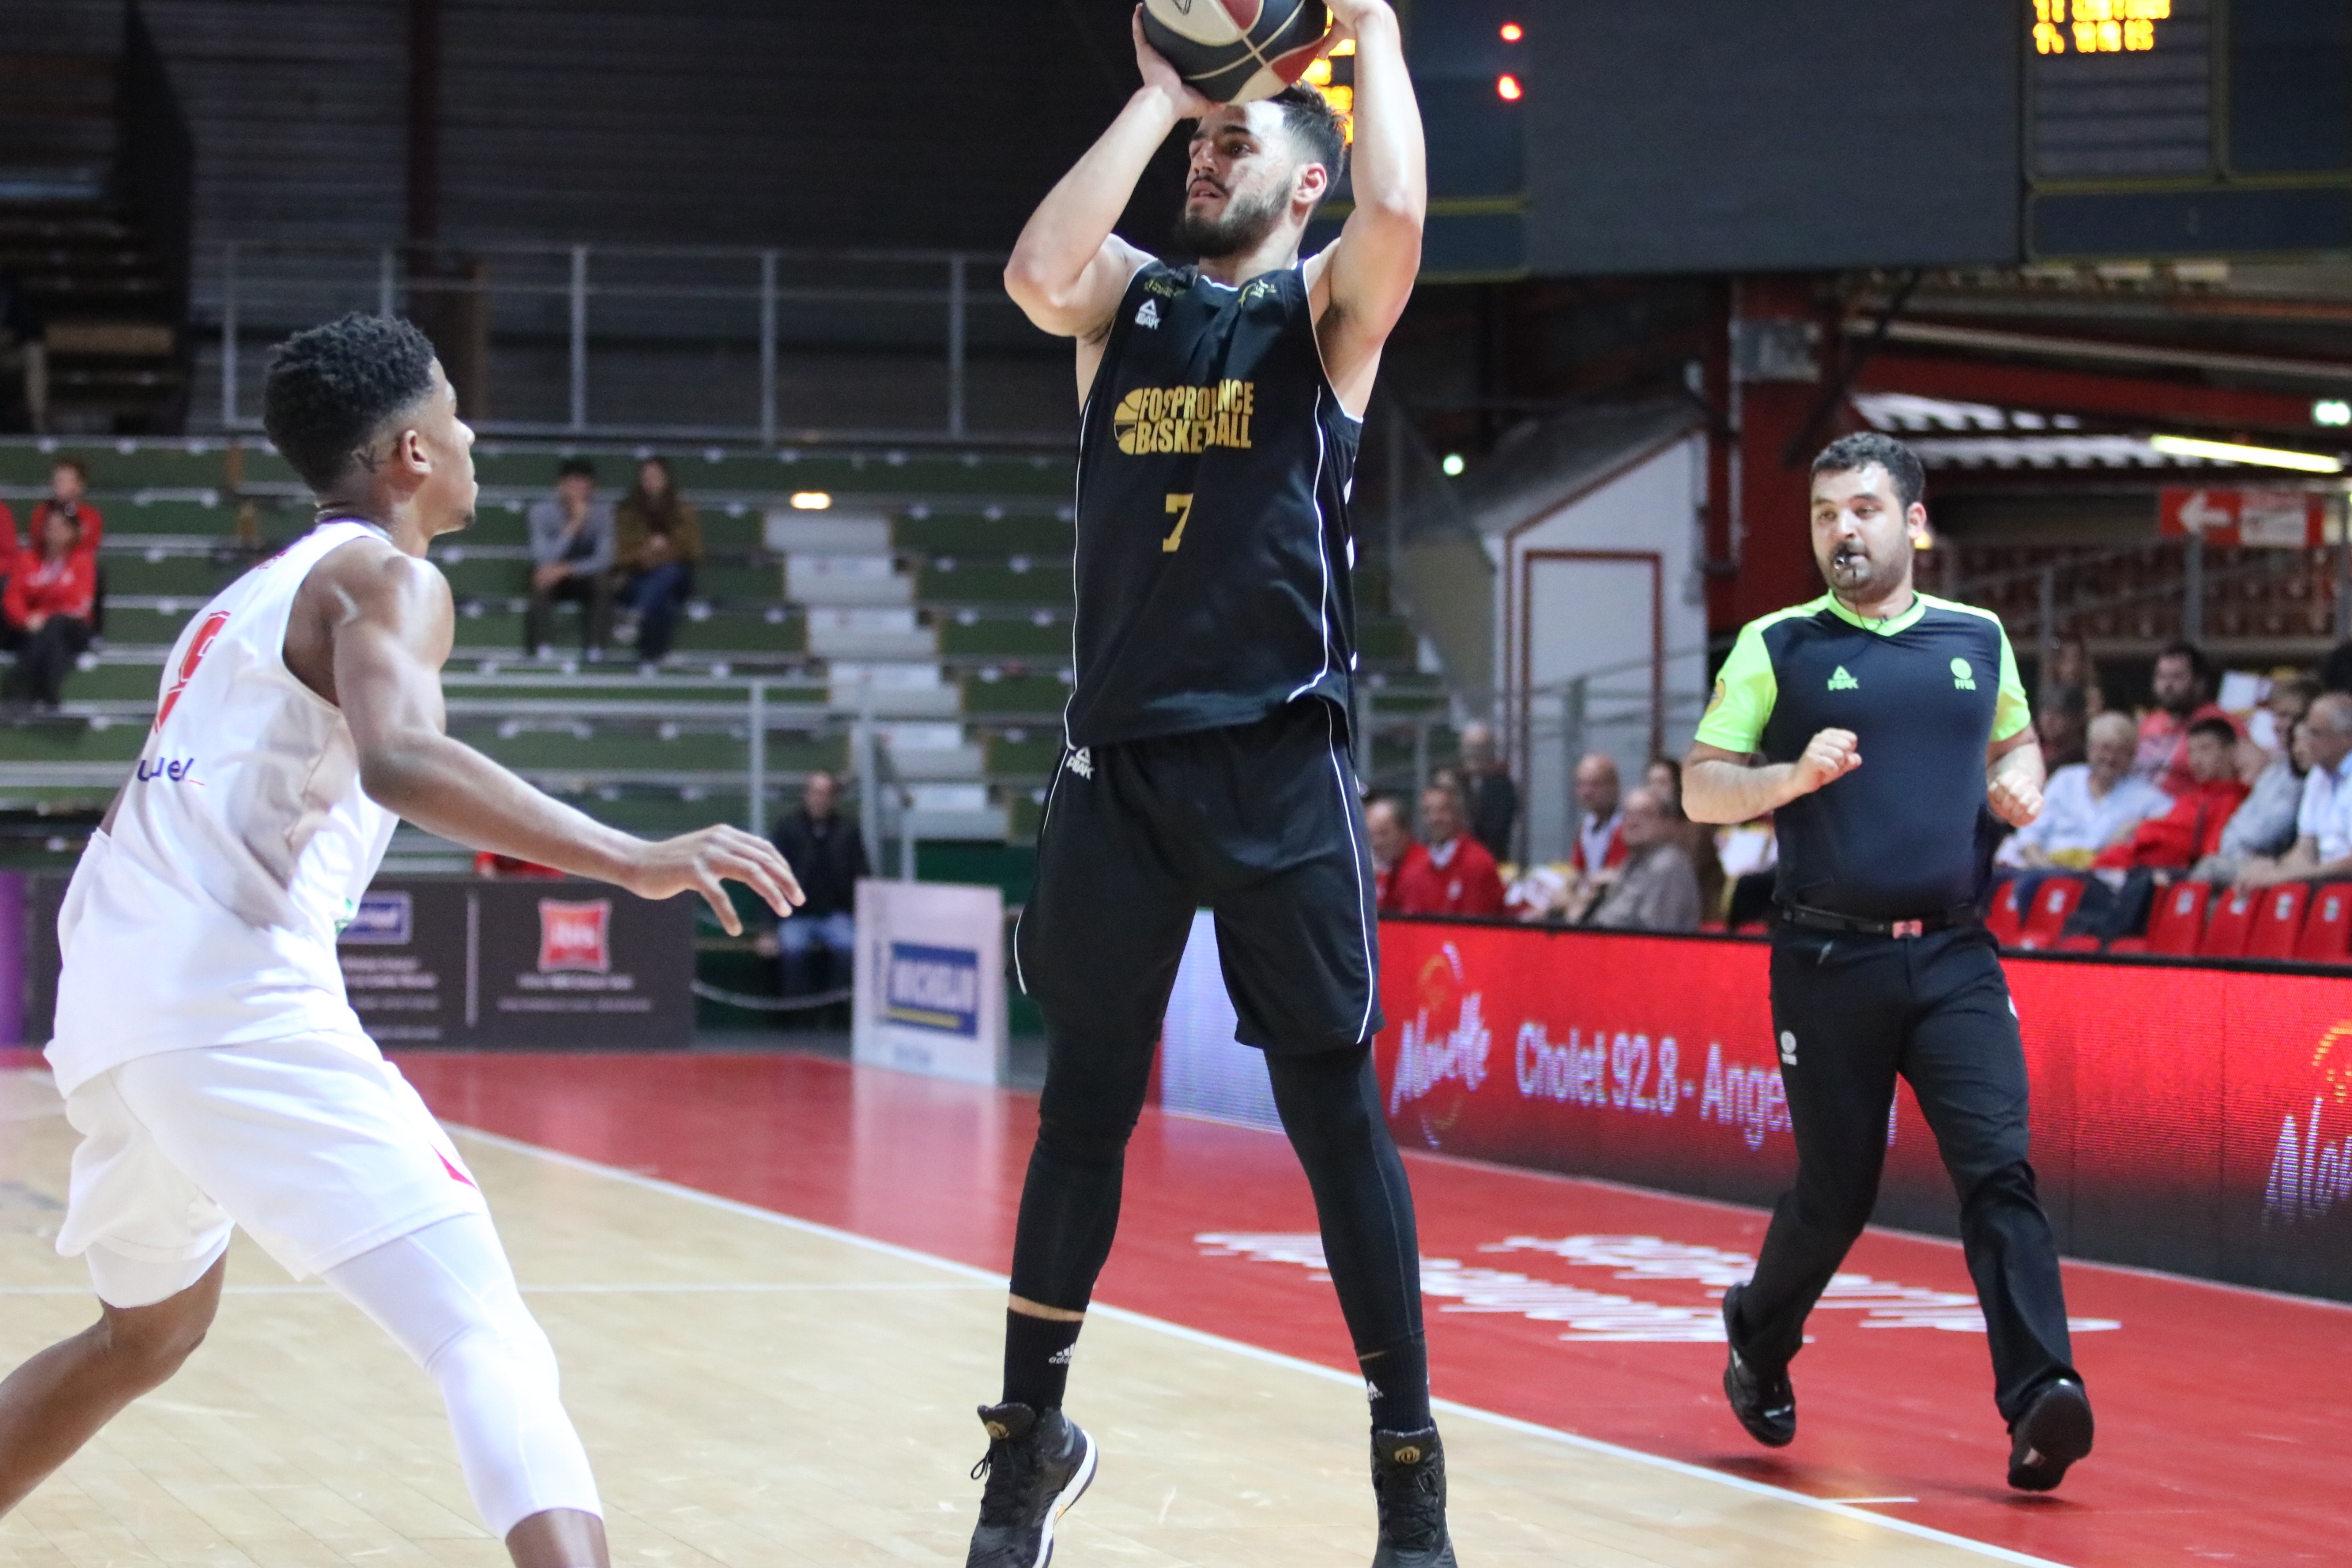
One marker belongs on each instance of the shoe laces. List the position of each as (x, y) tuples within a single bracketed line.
[(1412, 1515), (1010, 1469)]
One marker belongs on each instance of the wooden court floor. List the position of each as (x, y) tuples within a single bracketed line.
[(759, 1391)]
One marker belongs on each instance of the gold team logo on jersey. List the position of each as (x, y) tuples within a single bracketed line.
[(1184, 418)]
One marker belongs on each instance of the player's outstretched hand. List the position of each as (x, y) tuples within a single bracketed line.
[(1828, 757), (2015, 804), (705, 862), (1157, 72), (1347, 18)]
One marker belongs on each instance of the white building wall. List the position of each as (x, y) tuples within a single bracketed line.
[(1559, 618)]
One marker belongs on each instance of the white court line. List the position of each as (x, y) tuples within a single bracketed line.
[(1271, 1357)]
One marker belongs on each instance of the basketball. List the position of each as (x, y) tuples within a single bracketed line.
[(1236, 51)]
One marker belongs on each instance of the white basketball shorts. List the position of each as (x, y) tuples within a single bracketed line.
[(315, 1145)]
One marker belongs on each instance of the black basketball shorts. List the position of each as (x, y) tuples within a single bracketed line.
[(1259, 822)]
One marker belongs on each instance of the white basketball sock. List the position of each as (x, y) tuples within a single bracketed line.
[(447, 1294)]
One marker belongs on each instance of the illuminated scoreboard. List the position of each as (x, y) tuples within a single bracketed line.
[(2098, 27), (2163, 128)]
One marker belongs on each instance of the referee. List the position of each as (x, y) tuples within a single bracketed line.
[(1222, 403), (1881, 963)]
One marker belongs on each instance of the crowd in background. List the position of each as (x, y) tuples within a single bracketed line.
[(629, 567), (2243, 782)]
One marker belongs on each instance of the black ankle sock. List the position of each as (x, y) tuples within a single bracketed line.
[(1397, 1381), (1037, 1358)]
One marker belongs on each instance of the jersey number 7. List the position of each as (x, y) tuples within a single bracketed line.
[(1181, 506)]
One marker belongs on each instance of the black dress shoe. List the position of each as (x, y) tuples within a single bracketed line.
[(1763, 1400), (2055, 1432)]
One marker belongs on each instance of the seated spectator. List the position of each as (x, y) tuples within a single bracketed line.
[(1486, 785), (828, 855), (2071, 673), (1392, 842), (2062, 727), (2191, 827), (2289, 699), (570, 558), (658, 542), (1663, 778), (69, 494), (2262, 828), (1449, 872), (1600, 828), (2184, 684), (1656, 888), (45, 612), (2322, 850), (2087, 806)]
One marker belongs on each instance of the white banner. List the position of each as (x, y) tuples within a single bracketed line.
[(1204, 1070), (930, 980)]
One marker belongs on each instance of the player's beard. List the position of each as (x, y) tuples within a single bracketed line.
[(1244, 223)]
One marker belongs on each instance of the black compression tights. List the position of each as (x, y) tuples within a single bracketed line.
[(1330, 1104)]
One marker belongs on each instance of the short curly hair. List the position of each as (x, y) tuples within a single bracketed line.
[(1852, 454), (328, 391)]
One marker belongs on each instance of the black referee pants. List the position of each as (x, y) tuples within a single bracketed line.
[(1850, 1013)]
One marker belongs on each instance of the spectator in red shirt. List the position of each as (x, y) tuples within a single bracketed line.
[(2192, 828), (46, 612), (69, 494), (1450, 873), (1392, 846), (2183, 682)]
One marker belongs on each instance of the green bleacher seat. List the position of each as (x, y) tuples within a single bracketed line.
[(197, 578), (1034, 756), (1043, 580), (1038, 695), (131, 625), (1004, 636), (743, 632), (487, 579), (68, 741), (112, 682), (966, 533), (736, 583)]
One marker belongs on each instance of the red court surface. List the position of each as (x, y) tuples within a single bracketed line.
[(1577, 1305)]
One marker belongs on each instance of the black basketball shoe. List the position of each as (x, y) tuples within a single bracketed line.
[(1409, 1488), (2055, 1432), (1764, 1401), (1038, 1464)]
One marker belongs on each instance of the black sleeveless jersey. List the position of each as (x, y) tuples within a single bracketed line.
[(1214, 464)]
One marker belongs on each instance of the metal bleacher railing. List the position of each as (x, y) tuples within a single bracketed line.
[(570, 309)]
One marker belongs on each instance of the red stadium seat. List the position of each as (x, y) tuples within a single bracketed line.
[(2053, 900), (2233, 923), (2278, 921), (2327, 928), (2174, 924), (2005, 921)]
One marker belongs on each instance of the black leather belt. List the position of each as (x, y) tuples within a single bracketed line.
[(1855, 925)]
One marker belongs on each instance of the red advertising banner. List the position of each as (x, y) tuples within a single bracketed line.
[(2186, 1119), (2287, 518)]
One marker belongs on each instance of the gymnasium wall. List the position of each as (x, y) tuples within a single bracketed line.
[(2189, 1119), (1729, 136), (711, 122)]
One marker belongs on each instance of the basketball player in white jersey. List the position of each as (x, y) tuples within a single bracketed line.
[(204, 1045)]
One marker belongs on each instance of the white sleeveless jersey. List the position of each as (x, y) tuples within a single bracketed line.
[(208, 917)]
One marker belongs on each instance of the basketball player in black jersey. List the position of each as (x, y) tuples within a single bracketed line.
[(1208, 748)]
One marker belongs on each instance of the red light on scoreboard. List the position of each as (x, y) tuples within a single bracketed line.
[(1513, 32), (1508, 90)]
